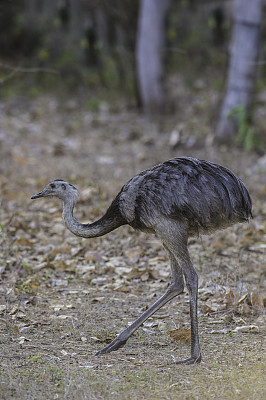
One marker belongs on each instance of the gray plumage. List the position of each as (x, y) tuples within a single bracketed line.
[(177, 199)]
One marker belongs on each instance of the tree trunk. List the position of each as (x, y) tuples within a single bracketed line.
[(242, 66), (150, 53)]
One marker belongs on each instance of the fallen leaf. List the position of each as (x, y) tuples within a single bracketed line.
[(25, 329), (59, 282), (135, 273), (242, 299), (41, 266), (50, 256), (133, 253), (144, 277), (62, 316), (181, 334), (20, 315), (210, 306), (257, 301), (261, 321), (122, 271), (62, 265), (98, 299), (246, 242), (93, 256), (104, 337), (98, 281), (150, 324), (218, 331), (206, 309), (84, 269), (2, 309), (247, 329), (32, 283), (245, 309), (2, 269), (219, 246), (23, 339), (24, 242), (231, 298)]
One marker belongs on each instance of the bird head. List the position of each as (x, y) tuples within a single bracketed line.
[(58, 188)]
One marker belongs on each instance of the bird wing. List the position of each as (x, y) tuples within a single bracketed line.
[(203, 194)]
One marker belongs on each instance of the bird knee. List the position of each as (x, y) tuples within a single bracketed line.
[(176, 288), (192, 282)]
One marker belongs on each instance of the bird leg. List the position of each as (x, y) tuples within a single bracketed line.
[(176, 242), (176, 287), (191, 279)]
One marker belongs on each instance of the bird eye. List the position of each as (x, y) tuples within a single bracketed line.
[(52, 186), (63, 186)]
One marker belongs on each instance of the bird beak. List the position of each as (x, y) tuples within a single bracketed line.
[(36, 196)]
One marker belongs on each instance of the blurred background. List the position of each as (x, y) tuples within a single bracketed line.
[(99, 90), (161, 58)]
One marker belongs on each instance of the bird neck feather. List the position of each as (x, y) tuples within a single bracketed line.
[(100, 227)]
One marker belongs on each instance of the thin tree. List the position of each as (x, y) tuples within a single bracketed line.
[(150, 53), (242, 65)]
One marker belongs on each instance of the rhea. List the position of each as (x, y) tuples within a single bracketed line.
[(175, 200)]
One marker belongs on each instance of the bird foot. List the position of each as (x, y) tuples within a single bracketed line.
[(189, 361), (113, 346)]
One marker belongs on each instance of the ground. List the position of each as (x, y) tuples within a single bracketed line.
[(62, 298)]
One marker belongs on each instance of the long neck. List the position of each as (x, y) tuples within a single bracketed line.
[(101, 227)]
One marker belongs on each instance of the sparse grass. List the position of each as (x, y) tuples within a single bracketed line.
[(207, 381), (53, 364)]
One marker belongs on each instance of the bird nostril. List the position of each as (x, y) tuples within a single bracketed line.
[(36, 196)]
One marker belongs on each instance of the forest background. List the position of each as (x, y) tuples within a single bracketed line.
[(141, 52), (95, 92)]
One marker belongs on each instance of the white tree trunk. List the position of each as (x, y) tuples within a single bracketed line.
[(242, 66), (150, 53)]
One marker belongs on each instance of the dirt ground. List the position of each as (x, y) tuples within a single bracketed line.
[(62, 298)]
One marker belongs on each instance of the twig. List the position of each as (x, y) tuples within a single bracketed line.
[(14, 70)]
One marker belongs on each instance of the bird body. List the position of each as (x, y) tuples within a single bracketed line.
[(176, 199), (203, 195)]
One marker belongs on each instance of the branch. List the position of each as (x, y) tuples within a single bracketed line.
[(14, 70)]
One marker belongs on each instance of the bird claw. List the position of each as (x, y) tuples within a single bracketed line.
[(189, 361), (113, 346)]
